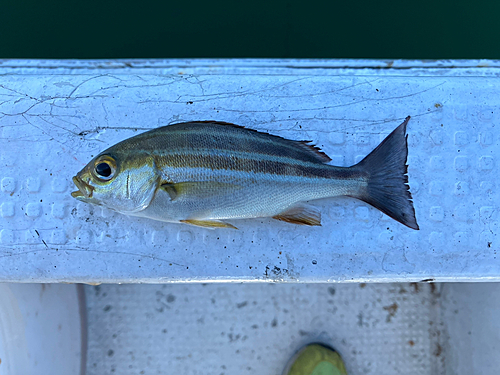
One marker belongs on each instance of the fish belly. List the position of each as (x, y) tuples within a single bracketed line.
[(248, 198)]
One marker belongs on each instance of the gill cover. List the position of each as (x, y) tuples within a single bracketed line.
[(126, 185)]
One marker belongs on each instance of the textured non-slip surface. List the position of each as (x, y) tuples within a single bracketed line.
[(52, 121), (255, 328)]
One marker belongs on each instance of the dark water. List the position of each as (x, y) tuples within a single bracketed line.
[(316, 29)]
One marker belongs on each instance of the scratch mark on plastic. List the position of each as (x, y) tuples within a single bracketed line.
[(95, 251)]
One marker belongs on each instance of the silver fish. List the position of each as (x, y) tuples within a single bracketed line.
[(203, 173)]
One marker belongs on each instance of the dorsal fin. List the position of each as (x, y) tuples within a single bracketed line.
[(324, 158), (303, 147)]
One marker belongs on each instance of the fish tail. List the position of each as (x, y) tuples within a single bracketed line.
[(387, 185)]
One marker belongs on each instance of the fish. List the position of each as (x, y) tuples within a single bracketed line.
[(206, 173)]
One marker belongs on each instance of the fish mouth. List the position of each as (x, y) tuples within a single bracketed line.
[(84, 189)]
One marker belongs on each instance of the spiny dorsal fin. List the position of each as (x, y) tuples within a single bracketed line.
[(324, 158)]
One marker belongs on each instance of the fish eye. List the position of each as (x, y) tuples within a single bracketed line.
[(105, 168)]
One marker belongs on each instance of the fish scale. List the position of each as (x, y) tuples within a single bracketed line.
[(202, 173)]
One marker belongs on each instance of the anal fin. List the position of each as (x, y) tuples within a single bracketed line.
[(212, 224), (302, 215)]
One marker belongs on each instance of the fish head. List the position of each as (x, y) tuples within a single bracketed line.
[(121, 182)]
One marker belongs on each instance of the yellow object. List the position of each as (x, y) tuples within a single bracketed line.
[(316, 359)]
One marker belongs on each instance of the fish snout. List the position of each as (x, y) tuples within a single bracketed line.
[(84, 189)]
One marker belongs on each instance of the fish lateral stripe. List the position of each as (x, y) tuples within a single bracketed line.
[(265, 137), (241, 163), (224, 153), (213, 135)]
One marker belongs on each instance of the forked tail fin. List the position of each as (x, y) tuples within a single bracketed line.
[(387, 187)]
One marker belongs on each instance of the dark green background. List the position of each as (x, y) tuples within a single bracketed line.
[(145, 29)]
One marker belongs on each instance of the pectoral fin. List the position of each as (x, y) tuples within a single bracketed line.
[(212, 224), (198, 189), (303, 215)]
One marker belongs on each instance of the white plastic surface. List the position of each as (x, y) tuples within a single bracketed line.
[(42, 329), (53, 120)]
